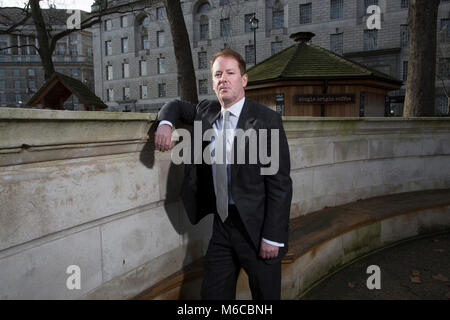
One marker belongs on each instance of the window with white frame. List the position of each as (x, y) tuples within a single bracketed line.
[(370, 39), (277, 18), (249, 54), (160, 38), (109, 72), (404, 35), (145, 43), (124, 42), (161, 90), (123, 21), (110, 94), (203, 86), (337, 43), (126, 93), (143, 92), (276, 47), (125, 70), (336, 9), (108, 48), (306, 13), (202, 60), (142, 68), (161, 65)]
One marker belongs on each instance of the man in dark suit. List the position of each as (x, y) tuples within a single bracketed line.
[(251, 220)]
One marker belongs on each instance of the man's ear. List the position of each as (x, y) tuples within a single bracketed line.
[(244, 80)]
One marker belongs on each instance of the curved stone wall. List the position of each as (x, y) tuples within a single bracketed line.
[(87, 189)]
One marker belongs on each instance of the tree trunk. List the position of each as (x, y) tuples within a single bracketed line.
[(182, 48), (421, 83), (44, 44)]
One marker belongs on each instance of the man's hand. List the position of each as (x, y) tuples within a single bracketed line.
[(163, 138), (268, 251)]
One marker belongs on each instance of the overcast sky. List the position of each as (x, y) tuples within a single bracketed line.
[(84, 5)]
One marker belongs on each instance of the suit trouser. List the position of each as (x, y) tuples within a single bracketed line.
[(231, 249)]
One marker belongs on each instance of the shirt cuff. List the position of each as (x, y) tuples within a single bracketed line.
[(165, 122), (277, 244)]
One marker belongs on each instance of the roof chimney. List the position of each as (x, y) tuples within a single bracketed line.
[(302, 37)]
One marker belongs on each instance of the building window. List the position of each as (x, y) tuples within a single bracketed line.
[(225, 27), (404, 35), (160, 13), (336, 9), (125, 70), (74, 50), (161, 65), (444, 68), (16, 84), (61, 49), (31, 84), (110, 94), (203, 86), (370, 39), (161, 90), (305, 13), (277, 18), (276, 47), (124, 42), (31, 73), (109, 73), (202, 60), (442, 105), (108, 48), (2, 85), (145, 42), (249, 54), (126, 93), (18, 98), (123, 21), (3, 44), (160, 38), (142, 68), (204, 28), (2, 72), (404, 4), (143, 92), (16, 72), (445, 30), (75, 72), (405, 70), (108, 25), (337, 43)]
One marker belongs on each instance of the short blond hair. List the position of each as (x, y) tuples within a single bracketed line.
[(233, 54)]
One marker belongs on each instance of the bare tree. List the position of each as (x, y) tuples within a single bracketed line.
[(46, 35), (182, 49), (420, 86), (443, 59)]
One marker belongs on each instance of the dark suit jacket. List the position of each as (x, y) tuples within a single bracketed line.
[(263, 201)]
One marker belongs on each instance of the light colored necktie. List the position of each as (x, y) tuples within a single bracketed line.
[(221, 170)]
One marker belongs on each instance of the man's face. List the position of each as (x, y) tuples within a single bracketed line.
[(228, 83)]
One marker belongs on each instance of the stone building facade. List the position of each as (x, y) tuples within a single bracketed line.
[(135, 68), (21, 71)]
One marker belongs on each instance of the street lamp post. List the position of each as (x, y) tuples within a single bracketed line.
[(254, 25)]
